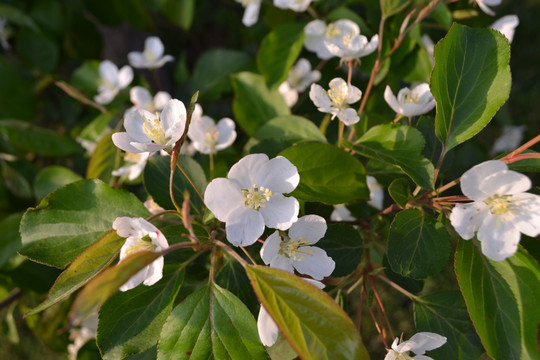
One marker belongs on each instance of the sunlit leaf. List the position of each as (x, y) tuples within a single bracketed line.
[(51, 178), (306, 316)]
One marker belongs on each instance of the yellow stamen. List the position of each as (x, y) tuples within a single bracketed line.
[(144, 244), (289, 248), (154, 130), (338, 95), (256, 197)]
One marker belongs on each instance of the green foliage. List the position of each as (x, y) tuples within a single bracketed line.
[(470, 82), (72, 218), (500, 297), (52, 178), (398, 146), (306, 316), (344, 244), (327, 174)]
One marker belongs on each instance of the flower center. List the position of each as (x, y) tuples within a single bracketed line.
[(290, 248), (211, 136), (402, 356), (347, 40), (134, 157), (500, 204), (411, 97), (143, 244), (154, 130), (256, 197), (338, 95), (332, 31)]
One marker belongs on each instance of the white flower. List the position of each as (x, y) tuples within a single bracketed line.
[(316, 31), (289, 94), (301, 76), (141, 236), (147, 132), (80, 336), (336, 100), (153, 206), (268, 330), (347, 42), (429, 45), (419, 343), (376, 193), (209, 138), (135, 165), (410, 102), (152, 55), (509, 140), (252, 197), (295, 251), (112, 81), (4, 34), (295, 5), (251, 12), (141, 99), (506, 25), (483, 4), (501, 209), (341, 213)]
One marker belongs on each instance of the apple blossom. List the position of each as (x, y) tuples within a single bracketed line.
[(347, 43), (376, 193), (141, 236), (295, 251), (336, 100), (419, 343), (506, 25), (152, 56), (251, 12), (315, 32), (289, 94), (80, 335), (147, 132), (341, 213), (429, 45), (483, 5), (268, 330), (300, 77), (295, 5), (208, 137), (415, 101), (252, 196), (509, 140), (501, 209), (112, 81), (142, 99), (135, 164)]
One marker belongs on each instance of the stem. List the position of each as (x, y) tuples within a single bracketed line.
[(324, 123), (212, 265), (522, 157), (381, 306), (520, 149), (190, 181), (156, 79), (211, 166), (340, 136), (171, 187), (232, 253), (186, 219), (161, 213), (399, 288), (247, 254), (349, 74)]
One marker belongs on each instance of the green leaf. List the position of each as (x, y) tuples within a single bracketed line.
[(86, 77), (156, 181), (135, 12), (418, 245), (40, 141), (327, 174), (131, 322), (254, 104), (445, 313), (93, 131), (82, 269), (15, 182), (470, 81), (501, 297), (10, 241), (37, 49), (180, 12), (213, 69), (18, 17), (287, 128), (278, 52), (232, 277), (104, 160), (17, 98), (400, 191), (51, 178), (72, 218), (306, 316), (526, 165), (103, 286), (392, 7), (344, 244), (399, 146), (210, 323)]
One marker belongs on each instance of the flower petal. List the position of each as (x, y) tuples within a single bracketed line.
[(320, 98), (391, 100), (425, 341), (278, 175), (173, 116), (141, 97), (472, 178), (467, 218), (268, 330), (227, 134), (505, 182), (316, 263), (245, 170), (527, 214), (311, 227), (280, 212), (123, 141), (125, 76), (348, 116), (154, 272), (270, 248), (136, 59), (223, 196), (244, 226), (154, 46), (499, 239)]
